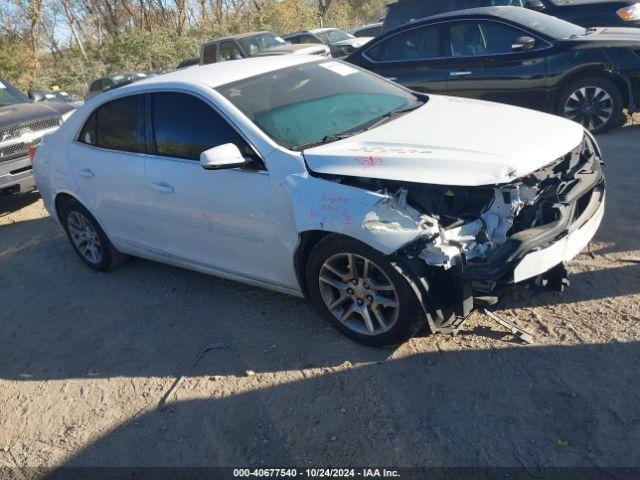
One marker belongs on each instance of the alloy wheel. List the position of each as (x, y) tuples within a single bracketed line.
[(359, 294), (84, 237), (590, 106)]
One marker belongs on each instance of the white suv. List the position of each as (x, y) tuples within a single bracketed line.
[(388, 208)]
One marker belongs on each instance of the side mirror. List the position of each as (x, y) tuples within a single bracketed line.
[(524, 44), (223, 156), (236, 56), (36, 96), (536, 5)]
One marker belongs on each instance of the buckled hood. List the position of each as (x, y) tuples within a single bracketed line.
[(452, 141)]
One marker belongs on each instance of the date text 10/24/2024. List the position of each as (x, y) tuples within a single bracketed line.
[(316, 472)]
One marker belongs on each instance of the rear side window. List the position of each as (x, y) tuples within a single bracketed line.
[(184, 127), (209, 54), (117, 125), (420, 43), (229, 51)]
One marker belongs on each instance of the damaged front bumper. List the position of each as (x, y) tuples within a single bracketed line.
[(565, 202), (533, 252)]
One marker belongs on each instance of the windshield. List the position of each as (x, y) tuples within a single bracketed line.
[(261, 42), (545, 24), (333, 35), (9, 95), (313, 103)]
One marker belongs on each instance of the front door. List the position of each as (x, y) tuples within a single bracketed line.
[(217, 219), (485, 65)]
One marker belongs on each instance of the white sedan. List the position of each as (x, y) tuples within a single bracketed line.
[(388, 208)]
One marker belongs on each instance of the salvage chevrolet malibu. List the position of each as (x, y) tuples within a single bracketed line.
[(388, 209)]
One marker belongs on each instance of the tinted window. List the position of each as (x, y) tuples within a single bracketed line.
[(414, 44), (184, 127), (308, 39), (229, 51), (470, 39), (119, 124), (209, 54)]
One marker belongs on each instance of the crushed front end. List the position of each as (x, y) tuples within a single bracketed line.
[(483, 239)]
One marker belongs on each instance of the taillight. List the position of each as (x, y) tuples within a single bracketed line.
[(32, 153)]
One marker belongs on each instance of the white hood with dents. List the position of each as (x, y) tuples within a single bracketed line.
[(452, 141)]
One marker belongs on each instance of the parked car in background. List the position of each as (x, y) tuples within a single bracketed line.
[(389, 209), (340, 43), (586, 13), (188, 62), (371, 30), (254, 44), (55, 96), (23, 124), (516, 56), (113, 81)]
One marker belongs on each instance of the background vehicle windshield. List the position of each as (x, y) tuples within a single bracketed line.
[(303, 104), (261, 42), (333, 35), (9, 95), (545, 24)]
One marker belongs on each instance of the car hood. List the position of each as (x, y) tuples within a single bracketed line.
[(25, 112), (452, 141), (615, 36), (306, 48)]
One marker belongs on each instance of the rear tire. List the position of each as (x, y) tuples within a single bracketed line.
[(88, 239), (360, 294), (594, 102)]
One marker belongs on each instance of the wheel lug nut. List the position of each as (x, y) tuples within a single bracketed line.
[(350, 291), (360, 302)]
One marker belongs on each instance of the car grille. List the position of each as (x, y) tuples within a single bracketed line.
[(14, 150)]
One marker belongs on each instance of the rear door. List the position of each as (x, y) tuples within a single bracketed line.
[(485, 65), (107, 161), (411, 57)]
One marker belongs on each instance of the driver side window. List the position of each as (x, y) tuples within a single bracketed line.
[(472, 39), (184, 126)]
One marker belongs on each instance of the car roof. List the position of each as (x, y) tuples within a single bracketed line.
[(221, 73), (237, 36), (500, 11)]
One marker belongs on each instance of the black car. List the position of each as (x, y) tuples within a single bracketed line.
[(22, 126), (586, 13), (516, 56)]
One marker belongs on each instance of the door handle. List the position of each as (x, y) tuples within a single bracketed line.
[(459, 73), (162, 187), (87, 172)]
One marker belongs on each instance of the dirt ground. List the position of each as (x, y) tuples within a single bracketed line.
[(90, 362)]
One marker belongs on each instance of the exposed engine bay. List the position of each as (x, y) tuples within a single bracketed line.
[(461, 226)]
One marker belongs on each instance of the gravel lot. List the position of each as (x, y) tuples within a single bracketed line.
[(90, 362)]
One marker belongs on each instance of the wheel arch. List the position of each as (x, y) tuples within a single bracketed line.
[(306, 242), (60, 201), (594, 71)]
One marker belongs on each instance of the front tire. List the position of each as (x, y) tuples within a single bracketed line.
[(88, 239), (360, 293), (594, 102)]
